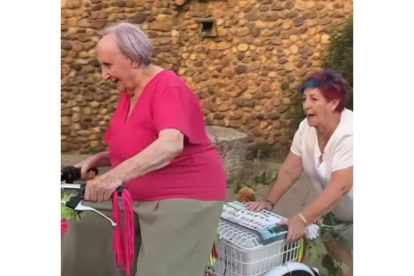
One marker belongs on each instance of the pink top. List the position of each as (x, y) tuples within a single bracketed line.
[(167, 102)]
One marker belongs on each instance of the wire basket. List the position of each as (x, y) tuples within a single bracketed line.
[(241, 253)]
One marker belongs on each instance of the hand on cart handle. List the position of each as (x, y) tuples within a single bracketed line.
[(70, 174), (296, 229), (86, 172), (101, 189), (88, 167), (258, 206)]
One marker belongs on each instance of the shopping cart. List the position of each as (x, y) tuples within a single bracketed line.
[(251, 244), (123, 243), (68, 176)]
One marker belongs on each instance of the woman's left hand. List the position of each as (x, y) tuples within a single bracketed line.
[(101, 189), (296, 228)]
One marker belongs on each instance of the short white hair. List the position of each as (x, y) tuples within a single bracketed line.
[(131, 41)]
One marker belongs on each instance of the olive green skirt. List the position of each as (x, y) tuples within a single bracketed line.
[(173, 237)]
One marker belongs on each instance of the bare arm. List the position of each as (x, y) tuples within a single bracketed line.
[(102, 159), (341, 183), (287, 176), (159, 154)]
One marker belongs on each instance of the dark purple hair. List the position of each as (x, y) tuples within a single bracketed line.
[(331, 84)]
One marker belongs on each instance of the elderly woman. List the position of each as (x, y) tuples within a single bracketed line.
[(159, 150), (323, 148)]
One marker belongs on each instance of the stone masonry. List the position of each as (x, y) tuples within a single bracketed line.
[(243, 58)]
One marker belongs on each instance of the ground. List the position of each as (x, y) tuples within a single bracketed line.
[(296, 198)]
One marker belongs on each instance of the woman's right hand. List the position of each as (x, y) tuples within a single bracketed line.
[(258, 206), (86, 165)]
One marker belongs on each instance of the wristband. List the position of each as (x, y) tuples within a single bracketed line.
[(271, 203), (303, 218)]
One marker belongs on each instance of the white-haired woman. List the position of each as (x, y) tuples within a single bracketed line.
[(159, 150)]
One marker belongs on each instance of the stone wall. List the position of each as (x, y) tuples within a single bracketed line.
[(243, 59)]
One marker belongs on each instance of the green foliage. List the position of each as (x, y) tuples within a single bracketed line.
[(237, 186), (260, 175), (317, 256), (298, 113), (67, 213), (332, 266), (262, 150), (265, 177), (330, 220), (340, 54), (316, 251)]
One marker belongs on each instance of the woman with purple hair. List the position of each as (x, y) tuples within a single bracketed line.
[(323, 148)]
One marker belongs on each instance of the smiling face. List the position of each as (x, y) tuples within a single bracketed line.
[(116, 67), (316, 108)]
